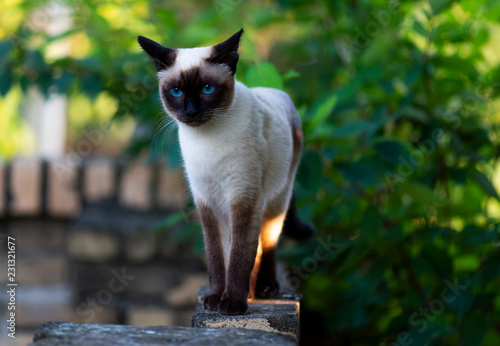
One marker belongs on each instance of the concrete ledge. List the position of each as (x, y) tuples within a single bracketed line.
[(279, 315), (63, 333)]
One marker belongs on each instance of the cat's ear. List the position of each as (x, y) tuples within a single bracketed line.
[(227, 52), (163, 57)]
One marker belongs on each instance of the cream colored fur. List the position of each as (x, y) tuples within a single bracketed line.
[(247, 147)]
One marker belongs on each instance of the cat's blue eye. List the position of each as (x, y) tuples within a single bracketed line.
[(208, 89), (176, 92)]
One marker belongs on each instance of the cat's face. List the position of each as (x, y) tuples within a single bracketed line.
[(195, 84)]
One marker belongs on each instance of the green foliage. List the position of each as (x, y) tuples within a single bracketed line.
[(399, 102), (263, 75)]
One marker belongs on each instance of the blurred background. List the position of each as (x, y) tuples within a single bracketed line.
[(401, 111)]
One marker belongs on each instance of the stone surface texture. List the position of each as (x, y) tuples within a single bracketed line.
[(99, 180), (135, 191), (148, 316), (279, 315), (26, 187), (62, 333), (62, 196), (92, 245), (172, 190)]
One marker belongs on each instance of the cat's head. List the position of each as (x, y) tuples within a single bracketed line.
[(196, 83)]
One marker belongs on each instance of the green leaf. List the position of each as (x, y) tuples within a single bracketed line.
[(92, 85), (438, 260), (413, 113), (464, 296), (263, 75), (360, 172), (485, 183), (291, 74), (199, 246), (474, 328), (350, 129), (395, 234), (188, 232), (34, 60), (475, 236), (64, 82), (5, 48), (5, 82), (371, 224), (424, 336), (419, 28), (491, 269), (459, 175), (467, 263), (170, 221), (390, 150), (439, 5), (322, 111), (419, 193), (44, 81), (310, 170)]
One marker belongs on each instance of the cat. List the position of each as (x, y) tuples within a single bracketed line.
[(241, 148)]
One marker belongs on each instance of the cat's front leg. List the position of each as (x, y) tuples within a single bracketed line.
[(246, 217), (215, 256)]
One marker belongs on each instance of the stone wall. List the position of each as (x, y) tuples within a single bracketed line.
[(85, 251), (60, 189)]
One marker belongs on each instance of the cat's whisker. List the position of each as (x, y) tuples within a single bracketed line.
[(158, 127), (156, 142), (156, 133), (164, 132), (168, 130), (163, 122)]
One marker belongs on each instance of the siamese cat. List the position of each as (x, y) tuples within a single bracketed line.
[(241, 148)]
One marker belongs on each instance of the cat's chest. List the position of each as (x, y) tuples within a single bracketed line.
[(203, 155), (212, 166)]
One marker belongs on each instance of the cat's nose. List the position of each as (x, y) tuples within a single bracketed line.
[(191, 109)]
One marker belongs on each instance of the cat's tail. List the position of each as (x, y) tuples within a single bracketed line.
[(293, 227)]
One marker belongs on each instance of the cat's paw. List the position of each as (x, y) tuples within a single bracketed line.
[(267, 289), (230, 306), (211, 302)]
